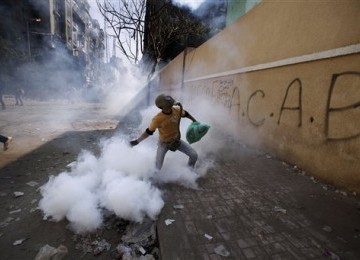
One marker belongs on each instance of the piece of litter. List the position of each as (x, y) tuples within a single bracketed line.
[(18, 194), (19, 241), (72, 164), (15, 211), (327, 228), (208, 236), (209, 216), (32, 183), (169, 221), (142, 250), (278, 209), (178, 206), (221, 250)]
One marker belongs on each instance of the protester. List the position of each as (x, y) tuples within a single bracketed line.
[(1, 95), (167, 122), (18, 96), (6, 140)]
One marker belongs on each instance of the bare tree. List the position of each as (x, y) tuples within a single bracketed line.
[(127, 21), (165, 24), (169, 24)]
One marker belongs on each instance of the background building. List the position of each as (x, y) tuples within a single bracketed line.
[(50, 37)]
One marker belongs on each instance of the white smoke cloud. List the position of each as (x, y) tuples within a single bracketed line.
[(193, 4), (121, 180)]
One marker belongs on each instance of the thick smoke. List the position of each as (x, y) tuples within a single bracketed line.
[(121, 179)]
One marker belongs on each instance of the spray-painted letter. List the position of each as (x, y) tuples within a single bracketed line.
[(260, 122), (298, 107), (345, 117)]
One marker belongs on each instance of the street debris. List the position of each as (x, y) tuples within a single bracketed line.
[(6, 222), (71, 165), (32, 183), (279, 209), (19, 241), (138, 240), (141, 250), (221, 250), (169, 221), (100, 246), (327, 228), (208, 236), (143, 234), (178, 206), (341, 192), (48, 252), (15, 211), (18, 194)]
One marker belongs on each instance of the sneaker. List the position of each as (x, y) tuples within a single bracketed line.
[(6, 144)]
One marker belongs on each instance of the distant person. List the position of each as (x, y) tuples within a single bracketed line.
[(167, 122), (18, 96), (1, 95), (6, 140)]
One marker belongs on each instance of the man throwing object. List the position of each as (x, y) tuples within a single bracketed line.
[(167, 122)]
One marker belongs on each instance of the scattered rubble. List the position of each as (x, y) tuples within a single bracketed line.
[(48, 252)]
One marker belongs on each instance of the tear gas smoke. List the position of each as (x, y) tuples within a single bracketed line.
[(193, 4), (118, 181)]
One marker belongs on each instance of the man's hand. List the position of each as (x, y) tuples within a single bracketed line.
[(134, 142)]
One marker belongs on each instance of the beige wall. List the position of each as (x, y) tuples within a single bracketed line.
[(289, 74)]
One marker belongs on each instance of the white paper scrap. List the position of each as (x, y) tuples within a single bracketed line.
[(208, 236), (169, 221)]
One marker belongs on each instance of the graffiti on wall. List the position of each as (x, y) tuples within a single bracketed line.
[(228, 94), (296, 83), (341, 82)]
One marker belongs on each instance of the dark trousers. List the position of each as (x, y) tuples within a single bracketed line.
[(2, 102), (3, 139), (18, 100)]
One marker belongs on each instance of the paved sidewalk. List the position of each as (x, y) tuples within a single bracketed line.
[(253, 206)]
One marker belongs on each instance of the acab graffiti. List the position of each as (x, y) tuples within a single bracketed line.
[(226, 93)]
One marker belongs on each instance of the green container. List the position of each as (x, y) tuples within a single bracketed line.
[(196, 131)]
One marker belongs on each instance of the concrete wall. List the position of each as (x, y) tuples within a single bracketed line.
[(289, 73)]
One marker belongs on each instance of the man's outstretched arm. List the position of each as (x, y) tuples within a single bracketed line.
[(142, 137)]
